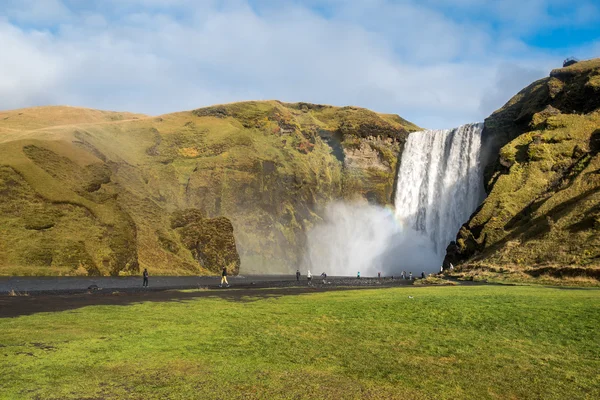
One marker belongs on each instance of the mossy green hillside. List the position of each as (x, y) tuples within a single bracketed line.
[(268, 167), (544, 189)]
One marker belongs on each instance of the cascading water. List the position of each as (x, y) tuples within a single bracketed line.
[(440, 182), (439, 185)]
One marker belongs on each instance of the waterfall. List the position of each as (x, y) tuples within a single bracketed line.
[(439, 185), (440, 182)]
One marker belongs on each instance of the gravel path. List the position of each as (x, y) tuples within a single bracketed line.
[(73, 285), (26, 296)]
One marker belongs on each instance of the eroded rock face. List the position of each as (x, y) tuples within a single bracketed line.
[(210, 240), (542, 180), (367, 156)]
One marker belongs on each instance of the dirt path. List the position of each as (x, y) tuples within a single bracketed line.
[(75, 285)]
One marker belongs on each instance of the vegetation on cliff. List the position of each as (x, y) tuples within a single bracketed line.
[(542, 213), (96, 192)]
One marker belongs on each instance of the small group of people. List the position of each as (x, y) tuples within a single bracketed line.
[(298, 275), (309, 277)]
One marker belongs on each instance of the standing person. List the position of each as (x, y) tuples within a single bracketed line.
[(423, 275), (358, 275), (297, 275), (309, 277), (324, 277), (224, 277), (410, 276), (145, 284), (379, 275), (403, 274)]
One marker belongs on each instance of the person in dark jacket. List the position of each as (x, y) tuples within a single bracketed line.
[(224, 277), (145, 274), (297, 275), (324, 277)]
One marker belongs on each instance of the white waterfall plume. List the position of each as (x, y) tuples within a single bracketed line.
[(440, 182), (439, 185)]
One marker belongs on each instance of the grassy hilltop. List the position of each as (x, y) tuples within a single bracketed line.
[(95, 192), (542, 213)]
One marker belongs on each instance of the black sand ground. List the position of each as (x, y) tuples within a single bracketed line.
[(24, 296)]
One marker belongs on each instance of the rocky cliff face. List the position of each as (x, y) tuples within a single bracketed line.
[(86, 191), (543, 181)]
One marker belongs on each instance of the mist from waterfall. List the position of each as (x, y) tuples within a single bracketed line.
[(439, 185)]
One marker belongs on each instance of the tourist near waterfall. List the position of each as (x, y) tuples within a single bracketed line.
[(145, 275), (224, 277)]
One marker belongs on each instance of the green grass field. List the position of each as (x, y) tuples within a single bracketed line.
[(446, 342)]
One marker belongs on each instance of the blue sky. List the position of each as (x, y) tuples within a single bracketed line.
[(438, 63)]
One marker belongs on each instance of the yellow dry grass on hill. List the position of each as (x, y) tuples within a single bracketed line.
[(47, 116)]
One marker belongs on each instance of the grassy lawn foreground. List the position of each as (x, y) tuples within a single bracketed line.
[(446, 342)]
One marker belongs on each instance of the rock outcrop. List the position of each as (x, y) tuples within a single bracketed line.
[(543, 179)]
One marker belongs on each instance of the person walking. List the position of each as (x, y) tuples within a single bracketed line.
[(324, 277), (410, 277), (224, 277), (145, 274), (297, 275), (403, 274), (309, 277)]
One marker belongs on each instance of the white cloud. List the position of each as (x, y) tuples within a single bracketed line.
[(29, 71), (156, 57), (509, 80)]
